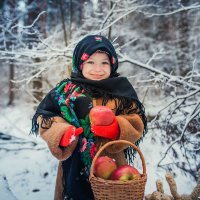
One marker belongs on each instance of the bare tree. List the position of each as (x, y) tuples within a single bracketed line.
[(9, 43), (34, 10)]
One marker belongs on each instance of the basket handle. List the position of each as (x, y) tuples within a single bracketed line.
[(118, 142)]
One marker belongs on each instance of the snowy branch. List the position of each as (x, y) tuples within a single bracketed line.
[(183, 8), (170, 77), (31, 25)]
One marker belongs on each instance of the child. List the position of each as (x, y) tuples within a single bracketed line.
[(62, 117)]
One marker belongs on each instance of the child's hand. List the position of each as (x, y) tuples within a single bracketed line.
[(70, 135), (107, 131)]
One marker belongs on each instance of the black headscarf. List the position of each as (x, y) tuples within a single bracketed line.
[(89, 45)]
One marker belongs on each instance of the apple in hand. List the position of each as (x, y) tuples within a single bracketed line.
[(104, 167), (125, 173), (101, 116)]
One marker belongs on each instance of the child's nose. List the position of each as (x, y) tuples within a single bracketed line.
[(97, 67)]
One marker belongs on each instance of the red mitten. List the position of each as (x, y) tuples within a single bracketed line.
[(108, 131), (70, 135)]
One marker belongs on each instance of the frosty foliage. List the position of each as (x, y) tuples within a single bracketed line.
[(158, 46)]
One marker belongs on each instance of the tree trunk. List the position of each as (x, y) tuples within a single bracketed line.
[(70, 18), (63, 21), (11, 85), (183, 46), (110, 28), (9, 43), (41, 24)]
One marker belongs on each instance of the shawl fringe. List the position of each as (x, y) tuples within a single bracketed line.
[(46, 123)]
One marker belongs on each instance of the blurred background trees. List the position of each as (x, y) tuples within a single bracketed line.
[(158, 46)]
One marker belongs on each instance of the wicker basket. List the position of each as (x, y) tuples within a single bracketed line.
[(118, 190)]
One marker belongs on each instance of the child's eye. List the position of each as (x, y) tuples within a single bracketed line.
[(90, 62), (105, 63)]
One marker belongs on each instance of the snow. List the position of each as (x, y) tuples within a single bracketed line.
[(4, 189), (28, 170)]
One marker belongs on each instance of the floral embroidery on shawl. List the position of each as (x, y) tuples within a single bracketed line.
[(66, 94)]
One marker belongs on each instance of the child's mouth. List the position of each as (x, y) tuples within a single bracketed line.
[(97, 76)]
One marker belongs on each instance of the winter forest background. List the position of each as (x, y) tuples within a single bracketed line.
[(158, 44)]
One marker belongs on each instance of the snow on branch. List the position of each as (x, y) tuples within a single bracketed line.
[(162, 74), (31, 25), (182, 8)]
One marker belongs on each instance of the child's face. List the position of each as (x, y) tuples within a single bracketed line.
[(97, 67)]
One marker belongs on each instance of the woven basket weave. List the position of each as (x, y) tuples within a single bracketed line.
[(118, 190)]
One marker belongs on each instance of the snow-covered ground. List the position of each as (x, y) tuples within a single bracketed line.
[(28, 170)]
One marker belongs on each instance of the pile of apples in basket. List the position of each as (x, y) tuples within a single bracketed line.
[(106, 168)]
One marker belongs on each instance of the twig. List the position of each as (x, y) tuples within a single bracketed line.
[(31, 25), (182, 134), (108, 15)]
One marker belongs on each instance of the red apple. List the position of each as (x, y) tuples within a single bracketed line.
[(101, 115), (125, 173), (104, 167)]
